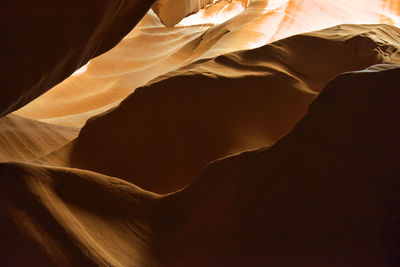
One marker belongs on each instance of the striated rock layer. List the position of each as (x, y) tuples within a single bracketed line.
[(326, 194), (23, 139)]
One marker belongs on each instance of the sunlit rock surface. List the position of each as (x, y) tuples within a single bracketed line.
[(151, 49), (171, 11)]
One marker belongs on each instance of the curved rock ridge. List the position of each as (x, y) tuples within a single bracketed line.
[(45, 42), (147, 52), (326, 194), (151, 50), (221, 106)]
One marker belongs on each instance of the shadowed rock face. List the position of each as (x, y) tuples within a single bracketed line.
[(41, 46), (326, 194), (163, 134)]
